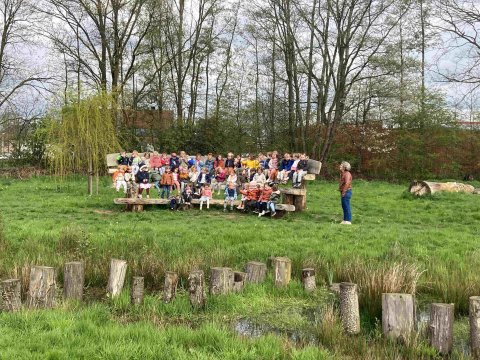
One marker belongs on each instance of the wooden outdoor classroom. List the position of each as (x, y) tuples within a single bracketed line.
[(293, 199)]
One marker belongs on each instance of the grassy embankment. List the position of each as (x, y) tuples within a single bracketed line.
[(394, 241)]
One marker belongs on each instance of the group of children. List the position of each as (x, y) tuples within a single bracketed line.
[(255, 178)]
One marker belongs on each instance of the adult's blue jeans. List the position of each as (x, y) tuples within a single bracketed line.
[(347, 211)]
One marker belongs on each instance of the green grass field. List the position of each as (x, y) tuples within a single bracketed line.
[(395, 240)]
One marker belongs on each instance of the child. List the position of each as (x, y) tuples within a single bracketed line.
[(166, 182), (183, 177), (123, 159), (131, 185), (193, 176), (119, 179), (300, 171), (230, 161), (175, 180), (155, 178), (187, 196), (259, 177), (210, 163), (286, 167), (199, 163), (273, 167), (174, 161), (204, 177), (252, 197), (230, 195), (264, 199), (244, 193), (206, 195), (143, 178), (155, 161), (232, 177), (135, 161), (274, 197), (174, 203), (220, 178), (164, 161), (219, 162)]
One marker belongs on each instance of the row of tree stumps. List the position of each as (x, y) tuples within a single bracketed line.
[(398, 319), (398, 310)]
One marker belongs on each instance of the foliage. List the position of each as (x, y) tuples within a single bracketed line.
[(81, 135)]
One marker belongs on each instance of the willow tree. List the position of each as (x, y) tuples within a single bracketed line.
[(81, 137)]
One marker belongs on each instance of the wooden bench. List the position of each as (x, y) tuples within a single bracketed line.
[(136, 204), (298, 196)]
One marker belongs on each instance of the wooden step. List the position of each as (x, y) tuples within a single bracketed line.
[(294, 191)]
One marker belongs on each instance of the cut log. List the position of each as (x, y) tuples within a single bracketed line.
[(239, 278), (308, 279), (196, 289), (294, 191), (73, 280), (420, 188), (349, 309), (440, 327), (42, 286), (116, 280), (474, 314), (298, 201), (398, 316), (282, 271), (256, 271), (138, 285), (11, 295), (221, 280), (309, 177), (170, 287)]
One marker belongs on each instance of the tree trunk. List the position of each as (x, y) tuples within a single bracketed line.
[(221, 280), (138, 285), (73, 280), (170, 287), (426, 187), (398, 316), (239, 280), (256, 272), (308, 279), (282, 271), (440, 328), (475, 326), (349, 309), (196, 289), (41, 290), (116, 280), (11, 295)]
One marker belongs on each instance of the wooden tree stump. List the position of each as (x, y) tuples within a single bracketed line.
[(73, 280), (116, 280), (282, 271), (474, 313), (221, 280), (196, 289), (138, 285), (308, 279), (296, 197), (137, 208), (11, 295), (256, 272), (349, 309), (398, 314), (41, 290), (239, 280), (440, 327), (170, 286)]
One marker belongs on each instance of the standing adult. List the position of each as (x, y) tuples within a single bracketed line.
[(345, 188)]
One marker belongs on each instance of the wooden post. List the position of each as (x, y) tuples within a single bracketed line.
[(221, 280), (398, 316), (349, 309), (296, 197), (41, 290), (137, 208), (282, 271), (239, 280), (308, 279), (11, 300), (196, 288), (440, 327), (170, 287), (73, 280), (475, 326), (137, 290), (118, 270), (256, 271)]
